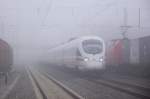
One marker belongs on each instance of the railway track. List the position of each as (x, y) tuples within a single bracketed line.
[(138, 91), (93, 85), (132, 89), (45, 95)]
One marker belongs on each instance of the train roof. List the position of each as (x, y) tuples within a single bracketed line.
[(78, 39), (84, 38), (90, 37)]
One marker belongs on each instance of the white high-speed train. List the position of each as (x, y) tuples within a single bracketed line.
[(85, 53)]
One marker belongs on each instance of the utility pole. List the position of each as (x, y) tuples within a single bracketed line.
[(126, 42), (1, 27), (139, 23), (125, 25)]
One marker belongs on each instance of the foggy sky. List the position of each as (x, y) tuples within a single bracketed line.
[(41, 24)]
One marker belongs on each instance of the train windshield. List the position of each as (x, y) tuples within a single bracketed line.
[(92, 46)]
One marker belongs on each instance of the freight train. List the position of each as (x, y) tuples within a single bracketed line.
[(6, 57), (83, 54), (125, 51)]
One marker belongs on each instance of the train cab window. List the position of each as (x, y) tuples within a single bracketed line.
[(92, 46)]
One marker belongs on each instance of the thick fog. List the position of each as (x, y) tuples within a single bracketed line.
[(33, 26)]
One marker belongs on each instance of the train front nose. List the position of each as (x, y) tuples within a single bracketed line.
[(95, 65), (92, 64)]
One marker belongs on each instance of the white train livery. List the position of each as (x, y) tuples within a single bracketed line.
[(85, 53)]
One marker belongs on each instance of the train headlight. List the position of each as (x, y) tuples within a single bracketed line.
[(86, 59), (101, 59)]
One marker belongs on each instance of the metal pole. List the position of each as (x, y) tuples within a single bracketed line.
[(124, 27), (139, 25), (2, 30), (125, 17)]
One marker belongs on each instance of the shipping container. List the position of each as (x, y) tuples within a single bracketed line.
[(144, 47), (125, 51), (114, 52), (118, 52), (134, 51)]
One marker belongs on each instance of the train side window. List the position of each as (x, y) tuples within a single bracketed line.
[(78, 53)]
